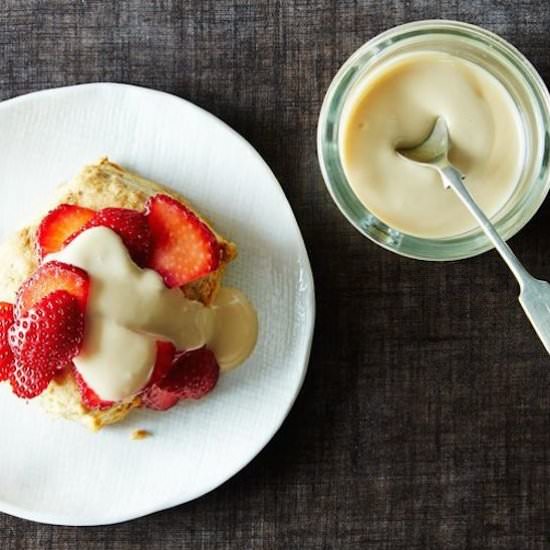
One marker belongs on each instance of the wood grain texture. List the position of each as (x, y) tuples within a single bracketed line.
[(423, 422)]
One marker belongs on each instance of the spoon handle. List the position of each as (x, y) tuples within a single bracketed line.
[(534, 295), (454, 179)]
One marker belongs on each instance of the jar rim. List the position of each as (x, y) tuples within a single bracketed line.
[(494, 48)]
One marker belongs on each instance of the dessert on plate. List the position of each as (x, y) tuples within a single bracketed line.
[(113, 300)]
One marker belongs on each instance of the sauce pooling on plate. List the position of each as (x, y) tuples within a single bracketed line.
[(396, 106)]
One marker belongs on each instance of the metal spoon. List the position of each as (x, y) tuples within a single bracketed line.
[(534, 294)]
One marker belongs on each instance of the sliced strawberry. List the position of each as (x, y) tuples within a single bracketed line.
[(158, 399), (130, 225), (163, 361), (88, 396), (184, 248), (193, 375), (50, 277), (50, 332), (59, 225), (44, 339), (6, 355), (27, 381)]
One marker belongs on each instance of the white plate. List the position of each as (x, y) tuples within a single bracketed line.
[(55, 471)]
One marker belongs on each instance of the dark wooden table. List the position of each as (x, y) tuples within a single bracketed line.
[(423, 421)]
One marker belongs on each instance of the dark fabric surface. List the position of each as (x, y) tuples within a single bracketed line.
[(423, 421)]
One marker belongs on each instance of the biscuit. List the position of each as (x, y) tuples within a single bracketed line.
[(100, 185)]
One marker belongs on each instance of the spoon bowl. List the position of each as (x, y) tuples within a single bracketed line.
[(433, 150)]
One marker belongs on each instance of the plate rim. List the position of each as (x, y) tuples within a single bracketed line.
[(55, 519)]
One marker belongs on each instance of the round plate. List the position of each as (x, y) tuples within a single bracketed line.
[(56, 471)]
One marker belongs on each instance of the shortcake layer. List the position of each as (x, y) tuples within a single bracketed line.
[(98, 186)]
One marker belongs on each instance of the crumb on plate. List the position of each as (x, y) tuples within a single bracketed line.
[(141, 434)]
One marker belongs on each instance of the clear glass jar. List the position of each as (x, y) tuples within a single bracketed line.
[(499, 58)]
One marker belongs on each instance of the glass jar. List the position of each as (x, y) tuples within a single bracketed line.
[(488, 51)]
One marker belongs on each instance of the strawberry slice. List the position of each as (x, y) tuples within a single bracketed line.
[(50, 277), (59, 225), (43, 340), (88, 396), (163, 361), (193, 375), (6, 355), (130, 225), (184, 248), (27, 381), (158, 399)]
